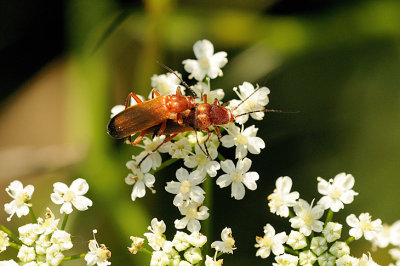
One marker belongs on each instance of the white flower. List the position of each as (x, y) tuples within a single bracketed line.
[(193, 255), (62, 239), (199, 159), (307, 217), (26, 254), (244, 140), (255, 102), (97, 254), (197, 239), (193, 213), (395, 233), (307, 258), (73, 195), (166, 84), (187, 188), (363, 226), (227, 245), (326, 259), (137, 244), (286, 260), (21, 196), (202, 89), (238, 177), (337, 191), (54, 256), (152, 159), (347, 260), (178, 149), (28, 233), (49, 224), (211, 262), (180, 241), (207, 62), (339, 249), (4, 241), (270, 241), (332, 231), (156, 239), (159, 258), (395, 253), (139, 179), (282, 198), (296, 240), (8, 263), (42, 243), (318, 245), (366, 260)]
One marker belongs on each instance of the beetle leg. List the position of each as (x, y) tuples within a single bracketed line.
[(205, 98), (180, 119), (216, 102), (162, 128), (139, 138), (218, 133), (154, 92), (165, 141), (178, 91), (128, 99)]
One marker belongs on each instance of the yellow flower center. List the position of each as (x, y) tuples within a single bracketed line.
[(241, 139), (204, 62), (185, 187), (236, 177), (69, 196)]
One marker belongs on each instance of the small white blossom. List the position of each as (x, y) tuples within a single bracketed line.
[(156, 238), (238, 177), (326, 259), (286, 260), (73, 195), (4, 241), (255, 102), (307, 218), (211, 262), (332, 231), (199, 159), (139, 179), (193, 255), (21, 196), (152, 160), (202, 89), (227, 245), (296, 240), (366, 260), (307, 258), (318, 245), (395, 254), (62, 239), (207, 62), (26, 254), (197, 239), (137, 244), (363, 226), (42, 243), (49, 224), (244, 140), (339, 249), (178, 149), (395, 233), (28, 233), (159, 258), (347, 260), (337, 191), (180, 241), (166, 84), (282, 198), (270, 242), (193, 213), (8, 263), (54, 256), (187, 188), (97, 254)]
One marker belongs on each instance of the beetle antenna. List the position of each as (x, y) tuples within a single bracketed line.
[(245, 99), (270, 111), (176, 74)]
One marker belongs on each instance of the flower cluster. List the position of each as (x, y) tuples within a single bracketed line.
[(313, 240), (44, 241), (198, 150), (184, 249)]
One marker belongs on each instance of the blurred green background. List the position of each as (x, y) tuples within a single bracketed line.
[(64, 64)]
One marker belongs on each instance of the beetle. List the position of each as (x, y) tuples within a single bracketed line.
[(146, 114)]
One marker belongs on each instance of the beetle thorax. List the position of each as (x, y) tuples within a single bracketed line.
[(219, 115), (177, 104)]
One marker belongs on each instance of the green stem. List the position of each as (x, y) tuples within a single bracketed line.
[(145, 250), (329, 217), (32, 215), (208, 201), (350, 239), (13, 236), (15, 245), (291, 251), (291, 214), (221, 157), (74, 257), (163, 165), (64, 222)]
